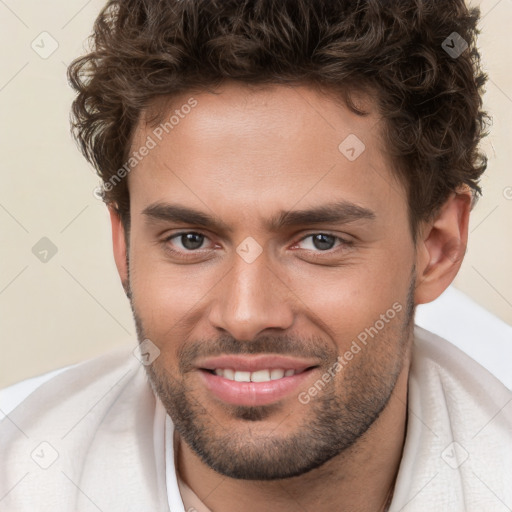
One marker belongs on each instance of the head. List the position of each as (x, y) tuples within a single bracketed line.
[(285, 178)]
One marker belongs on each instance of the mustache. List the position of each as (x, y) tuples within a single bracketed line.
[(311, 348)]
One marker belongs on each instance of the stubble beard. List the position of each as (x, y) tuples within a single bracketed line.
[(337, 417)]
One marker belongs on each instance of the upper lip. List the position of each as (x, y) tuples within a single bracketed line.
[(255, 363)]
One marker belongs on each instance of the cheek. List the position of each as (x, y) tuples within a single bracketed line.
[(169, 299), (346, 300), (165, 299)]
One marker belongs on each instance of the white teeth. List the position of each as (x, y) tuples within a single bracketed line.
[(228, 373), (258, 376), (276, 374), (243, 376)]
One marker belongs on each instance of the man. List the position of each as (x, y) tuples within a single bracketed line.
[(286, 181)]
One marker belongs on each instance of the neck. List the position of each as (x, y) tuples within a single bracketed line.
[(359, 479)]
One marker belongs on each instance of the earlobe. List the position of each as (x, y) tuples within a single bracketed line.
[(119, 246), (442, 248)]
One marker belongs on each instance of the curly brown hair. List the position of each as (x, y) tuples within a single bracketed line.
[(430, 99)]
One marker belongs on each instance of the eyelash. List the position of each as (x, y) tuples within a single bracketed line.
[(316, 254)]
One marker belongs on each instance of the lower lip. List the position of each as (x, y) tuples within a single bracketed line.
[(252, 393)]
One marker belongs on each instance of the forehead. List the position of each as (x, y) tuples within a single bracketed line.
[(263, 149)]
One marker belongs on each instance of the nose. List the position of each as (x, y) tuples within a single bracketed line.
[(250, 298)]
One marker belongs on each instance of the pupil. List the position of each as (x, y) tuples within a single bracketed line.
[(322, 241), (189, 242)]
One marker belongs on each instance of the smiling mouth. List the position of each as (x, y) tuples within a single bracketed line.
[(257, 388), (264, 375)]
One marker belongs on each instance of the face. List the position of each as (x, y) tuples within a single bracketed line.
[(255, 234)]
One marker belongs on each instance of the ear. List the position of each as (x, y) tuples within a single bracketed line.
[(441, 247), (119, 246)]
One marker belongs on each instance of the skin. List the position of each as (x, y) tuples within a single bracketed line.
[(242, 155)]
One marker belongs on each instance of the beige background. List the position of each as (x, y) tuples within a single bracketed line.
[(72, 307)]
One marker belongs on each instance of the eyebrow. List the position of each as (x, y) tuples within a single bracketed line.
[(341, 212)]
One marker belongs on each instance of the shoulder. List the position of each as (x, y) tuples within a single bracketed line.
[(92, 422), (457, 318), (458, 447), (90, 377), (437, 362), (13, 395), (461, 402)]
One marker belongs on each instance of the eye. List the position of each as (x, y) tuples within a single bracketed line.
[(324, 242), (187, 241)]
